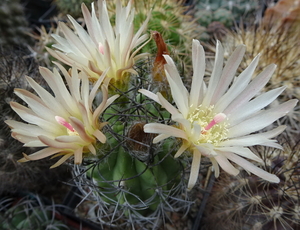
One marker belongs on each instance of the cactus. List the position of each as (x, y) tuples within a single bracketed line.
[(224, 12), (28, 213), (248, 203), (72, 7), (35, 176), (13, 25), (131, 179), (129, 182)]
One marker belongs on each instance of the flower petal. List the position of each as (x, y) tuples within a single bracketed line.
[(226, 165), (215, 76), (178, 90), (171, 109), (78, 156), (215, 166), (29, 116), (39, 154), (62, 160), (160, 137), (194, 169), (252, 168), (244, 152), (100, 136), (56, 144), (253, 88), (149, 94), (237, 87), (181, 150), (228, 73), (164, 129), (254, 139), (80, 129), (254, 106), (261, 120), (198, 58)]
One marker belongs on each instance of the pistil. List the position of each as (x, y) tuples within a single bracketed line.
[(217, 119), (63, 122)]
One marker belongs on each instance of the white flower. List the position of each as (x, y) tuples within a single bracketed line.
[(64, 123), (221, 120), (103, 46)]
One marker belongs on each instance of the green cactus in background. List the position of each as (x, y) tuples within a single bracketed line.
[(72, 7), (206, 17), (28, 213), (208, 12), (14, 28), (226, 10), (224, 16)]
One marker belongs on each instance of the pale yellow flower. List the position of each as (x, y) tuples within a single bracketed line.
[(65, 123), (103, 45), (220, 120)]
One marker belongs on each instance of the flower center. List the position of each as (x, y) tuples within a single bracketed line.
[(71, 131), (213, 125)]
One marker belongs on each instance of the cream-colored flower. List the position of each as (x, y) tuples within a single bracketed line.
[(64, 123), (220, 120), (103, 45)]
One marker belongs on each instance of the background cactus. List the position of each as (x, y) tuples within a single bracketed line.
[(249, 203), (29, 213), (72, 7), (226, 13), (14, 28), (14, 176)]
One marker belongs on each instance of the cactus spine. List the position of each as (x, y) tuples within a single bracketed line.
[(13, 25), (132, 178), (248, 203)]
